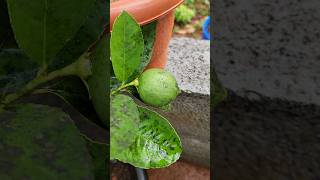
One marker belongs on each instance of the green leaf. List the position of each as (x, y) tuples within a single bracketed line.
[(87, 129), (84, 37), (73, 90), (149, 33), (157, 144), (13, 82), (15, 70), (14, 61), (99, 80), (100, 158), (41, 142), (126, 46), (124, 122), (43, 27)]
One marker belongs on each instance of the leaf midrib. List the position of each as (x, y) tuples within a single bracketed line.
[(123, 49), (44, 41)]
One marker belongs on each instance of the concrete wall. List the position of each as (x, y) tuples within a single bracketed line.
[(189, 61), (267, 54)]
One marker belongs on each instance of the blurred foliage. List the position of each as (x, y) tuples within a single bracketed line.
[(184, 14), (190, 16)]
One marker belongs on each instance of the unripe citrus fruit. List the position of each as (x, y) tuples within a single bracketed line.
[(157, 87)]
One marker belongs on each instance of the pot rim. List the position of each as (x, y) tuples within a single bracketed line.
[(144, 11)]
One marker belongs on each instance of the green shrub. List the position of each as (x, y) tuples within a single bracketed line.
[(183, 14), (189, 2)]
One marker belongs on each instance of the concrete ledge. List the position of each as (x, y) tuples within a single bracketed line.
[(189, 61)]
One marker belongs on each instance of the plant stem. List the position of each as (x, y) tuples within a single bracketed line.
[(132, 83), (78, 68)]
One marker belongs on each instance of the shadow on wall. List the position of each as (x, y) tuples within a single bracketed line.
[(267, 55), (266, 139)]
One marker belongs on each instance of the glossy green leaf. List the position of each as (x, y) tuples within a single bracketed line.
[(43, 27), (88, 33), (124, 121), (41, 142), (126, 46), (149, 33), (156, 146), (99, 80)]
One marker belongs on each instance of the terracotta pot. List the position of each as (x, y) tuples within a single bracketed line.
[(146, 11)]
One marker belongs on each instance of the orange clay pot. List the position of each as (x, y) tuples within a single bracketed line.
[(146, 11)]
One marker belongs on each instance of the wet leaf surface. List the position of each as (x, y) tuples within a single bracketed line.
[(124, 121), (157, 144), (149, 33)]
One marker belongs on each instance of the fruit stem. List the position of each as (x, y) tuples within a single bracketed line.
[(132, 83), (78, 68)]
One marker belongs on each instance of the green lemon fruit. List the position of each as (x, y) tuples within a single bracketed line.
[(157, 87)]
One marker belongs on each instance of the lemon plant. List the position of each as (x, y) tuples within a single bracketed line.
[(53, 82), (139, 135)]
